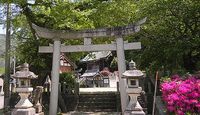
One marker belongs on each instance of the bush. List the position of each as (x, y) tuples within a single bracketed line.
[(68, 79), (182, 95)]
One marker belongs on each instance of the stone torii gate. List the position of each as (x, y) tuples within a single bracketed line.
[(119, 46)]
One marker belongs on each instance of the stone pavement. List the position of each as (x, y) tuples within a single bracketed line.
[(1, 101), (92, 113), (97, 89)]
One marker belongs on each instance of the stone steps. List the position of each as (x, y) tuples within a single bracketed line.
[(92, 113), (96, 110), (98, 102)]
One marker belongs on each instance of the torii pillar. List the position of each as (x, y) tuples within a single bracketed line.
[(55, 77), (121, 69), (117, 32)]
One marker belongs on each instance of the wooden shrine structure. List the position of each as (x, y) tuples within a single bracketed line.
[(66, 65), (87, 35)]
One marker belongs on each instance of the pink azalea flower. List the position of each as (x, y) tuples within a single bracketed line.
[(198, 106), (194, 95), (184, 88), (188, 107), (179, 112), (193, 101), (170, 108), (182, 95), (167, 87), (174, 97), (171, 102)]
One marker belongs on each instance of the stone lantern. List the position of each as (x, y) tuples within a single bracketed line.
[(1, 94), (132, 78), (47, 84), (23, 77)]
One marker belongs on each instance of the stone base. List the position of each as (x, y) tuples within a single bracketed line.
[(134, 113), (38, 108), (42, 113), (1, 101), (28, 111), (137, 110)]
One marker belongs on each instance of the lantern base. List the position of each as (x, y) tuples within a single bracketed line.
[(134, 107), (42, 113), (24, 101), (134, 113), (38, 109), (28, 111)]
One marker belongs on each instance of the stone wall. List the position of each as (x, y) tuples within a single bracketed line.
[(70, 101), (160, 107)]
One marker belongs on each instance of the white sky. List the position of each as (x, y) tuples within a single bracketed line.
[(2, 29)]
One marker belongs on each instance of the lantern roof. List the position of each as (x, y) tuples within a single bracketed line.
[(133, 73), (24, 73)]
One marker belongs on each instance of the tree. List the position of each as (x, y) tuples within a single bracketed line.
[(76, 16), (171, 36)]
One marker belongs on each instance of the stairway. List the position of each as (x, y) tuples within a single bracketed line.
[(99, 102)]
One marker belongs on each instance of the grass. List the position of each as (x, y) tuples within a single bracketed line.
[(5, 112), (1, 111), (2, 70)]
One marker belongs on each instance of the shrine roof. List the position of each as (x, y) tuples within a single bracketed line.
[(90, 73), (67, 59), (94, 56)]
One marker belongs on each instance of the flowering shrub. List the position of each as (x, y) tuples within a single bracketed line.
[(182, 95)]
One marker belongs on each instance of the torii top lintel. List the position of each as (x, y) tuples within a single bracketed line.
[(103, 32)]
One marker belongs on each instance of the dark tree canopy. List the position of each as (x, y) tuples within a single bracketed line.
[(170, 37)]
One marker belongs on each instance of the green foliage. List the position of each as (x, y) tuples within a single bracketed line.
[(114, 13), (2, 70), (27, 45), (68, 79), (170, 37), (113, 64), (65, 15)]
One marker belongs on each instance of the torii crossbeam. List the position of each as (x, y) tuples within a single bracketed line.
[(119, 46), (89, 47)]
